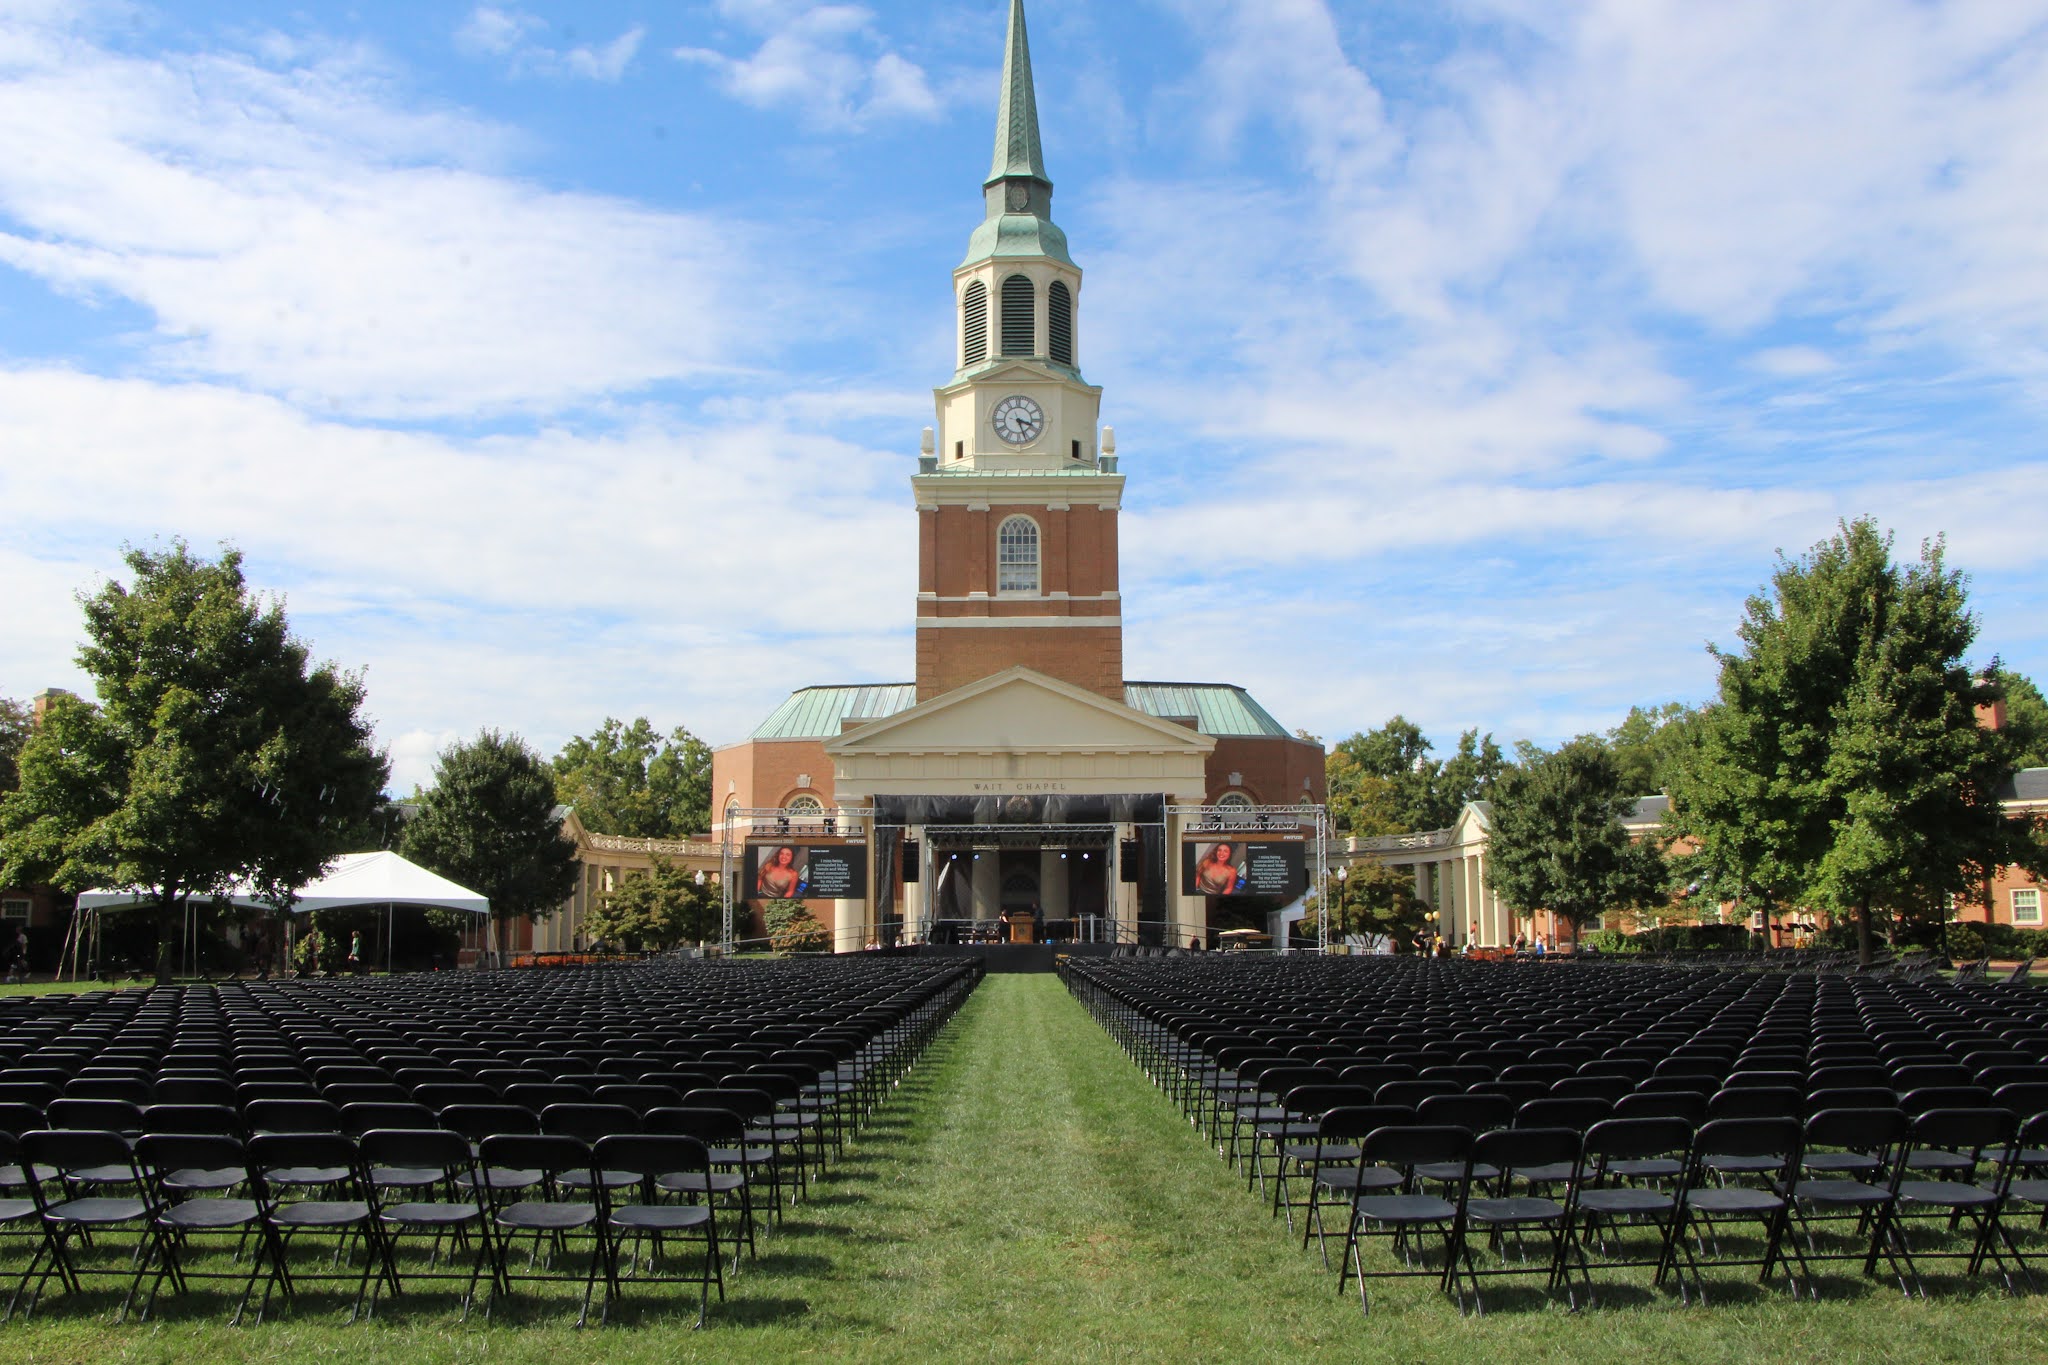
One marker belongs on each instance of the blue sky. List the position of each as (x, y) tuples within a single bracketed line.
[(1469, 360)]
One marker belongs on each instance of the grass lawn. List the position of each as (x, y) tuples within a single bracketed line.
[(1029, 1196), (71, 987)]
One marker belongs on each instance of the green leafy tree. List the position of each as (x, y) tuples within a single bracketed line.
[(793, 929), (1373, 898), (14, 729), (1558, 843), (630, 780), (1651, 745), (489, 823), (215, 753), (1384, 781), (657, 909), (2026, 718), (1843, 766)]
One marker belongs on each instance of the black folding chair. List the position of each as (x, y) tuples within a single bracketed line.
[(1848, 1164), (1622, 1155), (1766, 1149), (1972, 1135), (75, 1160), (190, 1174), (1533, 1155), (544, 1211), (442, 1199), (1403, 1216), (329, 1167), (662, 1164)]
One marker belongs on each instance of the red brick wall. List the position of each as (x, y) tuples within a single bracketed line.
[(1086, 656), (1273, 770)]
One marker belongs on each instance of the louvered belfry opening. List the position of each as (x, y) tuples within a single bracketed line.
[(1059, 319), (974, 324), (1020, 319)]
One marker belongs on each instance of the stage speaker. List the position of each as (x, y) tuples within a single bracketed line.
[(1130, 861), (911, 860)]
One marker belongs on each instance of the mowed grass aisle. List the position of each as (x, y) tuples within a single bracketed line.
[(1027, 1195)]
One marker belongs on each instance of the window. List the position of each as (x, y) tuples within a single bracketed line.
[(974, 324), (1020, 316), (1017, 555), (2026, 905), (1234, 801), (1059, 320), (14, 912), (805, 805)]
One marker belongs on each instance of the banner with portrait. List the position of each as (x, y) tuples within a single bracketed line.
[(807, 872), (1239, 867)]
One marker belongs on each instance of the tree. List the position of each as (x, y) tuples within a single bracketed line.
[(489, 823), (2026, 718), (1843, 766), (1384, 781), (793, 929), (1652, 743), (1373, 898), (657, 909), (627, 779), (14, 731), (215, 754), (1558, 843)]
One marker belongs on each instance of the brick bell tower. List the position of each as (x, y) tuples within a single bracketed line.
[(1016, 499)]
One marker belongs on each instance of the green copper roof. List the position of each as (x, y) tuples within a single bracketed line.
[(1017, 149), (1007, 233), (1017, 235), (816, 712), (1217, 708)]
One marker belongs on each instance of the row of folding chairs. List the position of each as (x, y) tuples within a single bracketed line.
[(297, 1210), (766, 1126), (1675, 1199)]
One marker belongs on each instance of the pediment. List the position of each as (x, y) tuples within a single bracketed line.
[(1019, 711)]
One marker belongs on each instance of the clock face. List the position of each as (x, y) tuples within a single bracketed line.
[(1018, 420)]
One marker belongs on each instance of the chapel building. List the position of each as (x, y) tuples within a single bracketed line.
[(1019, 768)]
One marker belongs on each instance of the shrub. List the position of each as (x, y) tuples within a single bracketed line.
[(1611, 941), (792, 929), (1964, 941), (2000, 940)]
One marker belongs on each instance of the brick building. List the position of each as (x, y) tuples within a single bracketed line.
[(1019, 767)]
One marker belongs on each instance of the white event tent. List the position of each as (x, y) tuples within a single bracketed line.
[(354, 879)]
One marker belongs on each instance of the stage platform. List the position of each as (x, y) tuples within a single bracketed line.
[(1015, 957)]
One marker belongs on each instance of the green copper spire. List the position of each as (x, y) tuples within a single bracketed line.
[(1017, 149), (1018, 191)]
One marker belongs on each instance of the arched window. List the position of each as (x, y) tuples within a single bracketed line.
[(974, 324), (1017, 555), (805, 805), (1234, 801), (1020, 316), (1059, 320)]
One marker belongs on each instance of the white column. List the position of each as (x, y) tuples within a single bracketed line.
[(1053, 898), (849, 922)]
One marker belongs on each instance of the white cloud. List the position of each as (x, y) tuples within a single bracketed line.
[(537, 581), (827, 63), (495, 32), (519, 38), (292, 230)]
